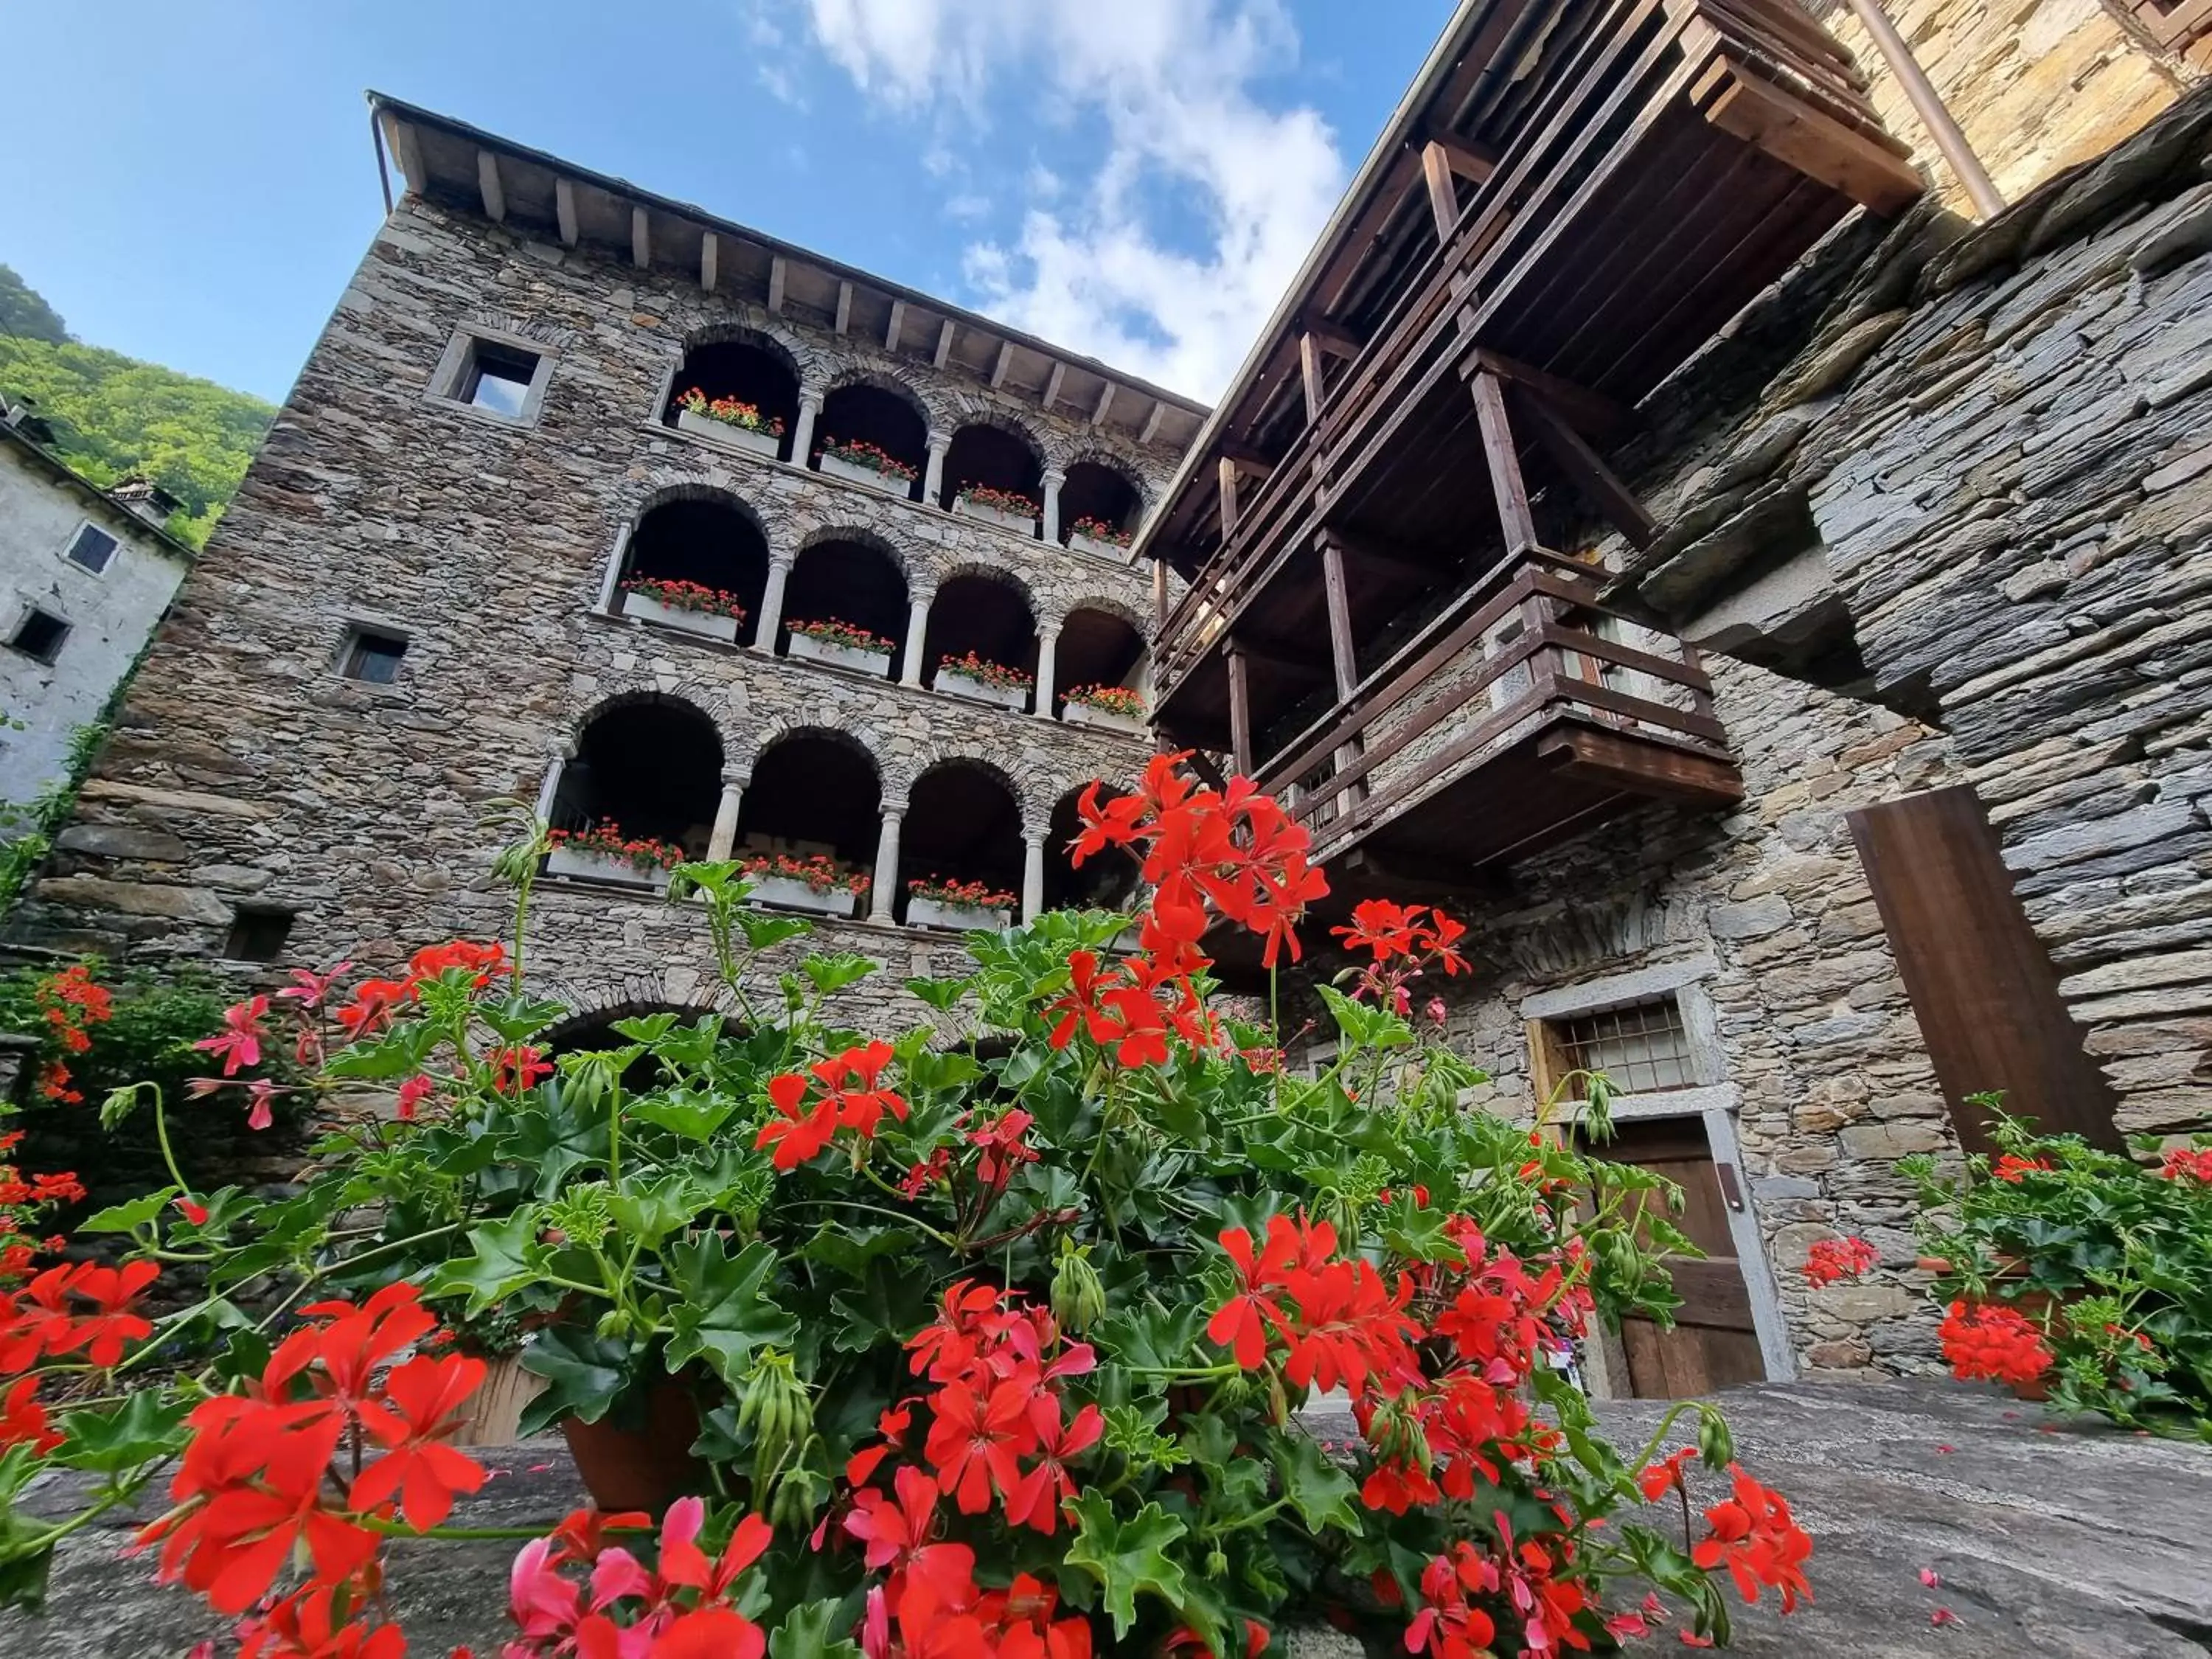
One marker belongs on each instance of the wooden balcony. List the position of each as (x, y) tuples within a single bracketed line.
[(1520, 714)]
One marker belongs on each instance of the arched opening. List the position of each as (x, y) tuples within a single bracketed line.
[(808, 824), (1098, 508), (1099, 655), (742, 389), (852, 582), (640, 794), (872, 436), (981, 621), (962, 837), (1108, 879), (995, 475), (692, 563)]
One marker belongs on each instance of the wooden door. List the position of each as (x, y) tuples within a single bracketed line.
[(1713, 1343), (1981, 984)]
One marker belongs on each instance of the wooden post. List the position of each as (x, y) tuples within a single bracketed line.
[(1228, 477), (1240, 711), (1512, 491), (1310, 367), (1444, 194), (1587, 470), (1339, 596)]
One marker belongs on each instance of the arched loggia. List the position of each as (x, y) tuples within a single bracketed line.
[(964, 826), (991, 473), (850, 581), (810, 822), (642, 791), (693, 559), (1107, 880), (1098, 508), (982, 619), (872, 436), (1100, 651), (743, 388)]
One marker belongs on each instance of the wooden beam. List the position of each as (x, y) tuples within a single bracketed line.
[(1152, 421), (1369, 550), (1052, 385), (844, 306), (1311, 371), (1240, 711), (640, 238), (1227, 474), (494, 197), (777, 271), (1339, 595), (1159, 599), (1332, 337), (1444, 193), (406, 148), (1512, 489), (897, 322), (710, 261), (943, 344), (1005, 362), (1105, 403), (1586, 469), (1817, 145), (1472, 162), (564, 212), (1279, 655), (1592, 411), (1247, 459)]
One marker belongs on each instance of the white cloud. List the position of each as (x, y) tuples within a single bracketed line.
[(968, 206), (1172, 84)]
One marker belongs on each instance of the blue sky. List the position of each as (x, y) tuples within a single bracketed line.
[(1135, 177)]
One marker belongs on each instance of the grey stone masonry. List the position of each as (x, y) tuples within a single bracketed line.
[(1994, 453), (246, 770)]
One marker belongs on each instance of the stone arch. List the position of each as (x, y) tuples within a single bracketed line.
[(643, 687), (986, 608), (761, 739), (812, 790), (700, 530), (769, 335), (683, 991), (896, 380), (1092, 599), (646, 762), (937, 757), (1098, 482), (913, 568), (966, 820)]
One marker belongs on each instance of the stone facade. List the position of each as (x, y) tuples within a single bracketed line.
[(248, 771), (110, 612), (2036, 88)]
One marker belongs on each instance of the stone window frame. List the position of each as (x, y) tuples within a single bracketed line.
[(1712, 1098), (98, 572), (452, 372), (354, 630), (25, 609)]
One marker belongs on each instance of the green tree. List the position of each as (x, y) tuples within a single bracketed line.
[(25, 313)]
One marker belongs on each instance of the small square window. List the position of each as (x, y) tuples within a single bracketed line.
[(372, 656), (257, 935), (93, 548), (497, 378), (39, 635), (1640, 1048)]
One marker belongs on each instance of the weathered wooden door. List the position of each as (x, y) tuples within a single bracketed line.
[(1981, 984), (1714, 1342)]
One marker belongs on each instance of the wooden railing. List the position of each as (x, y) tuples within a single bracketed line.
[(1528, 625)]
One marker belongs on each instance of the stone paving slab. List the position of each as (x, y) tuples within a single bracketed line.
[(2067, 1543)]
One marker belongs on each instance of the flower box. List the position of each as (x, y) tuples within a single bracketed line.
[(876, 664), (729, 437), (1005, 521), (961, 918), (1079, 542), (582, 865), (706, 623), (1084, 714), (854, 472), (795, 895), (1015, 697)]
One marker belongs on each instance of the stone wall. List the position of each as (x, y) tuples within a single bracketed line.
[(1767, 912), (1992, 462), (247, 770), (2036, 87)]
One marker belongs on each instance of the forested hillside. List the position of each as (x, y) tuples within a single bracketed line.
[(114, 415)]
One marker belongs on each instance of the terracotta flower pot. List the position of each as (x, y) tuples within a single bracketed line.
[(495, 1413), (641, 1468)]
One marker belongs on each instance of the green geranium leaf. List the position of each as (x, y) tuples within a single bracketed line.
[(584, 1372), (127, 1218), (647, 1028), (1127, 1557), (144, 1427), (811, 1631), (834, 972), (647, 1215), (1320, 1492), (694, 1113), (764, 932), (941, 994), (400, 1052), (725, 1312), (518, 1018), (498, 1265)]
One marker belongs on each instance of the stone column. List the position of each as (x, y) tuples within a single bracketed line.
[(724, 840), (917, 636), (933, 481), (771, 608), (887, 854), (1032, 875), (1048, 645), (802, 435), (1054, 477)]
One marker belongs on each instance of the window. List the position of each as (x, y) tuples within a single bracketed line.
[(39, 635), (258, 934), (93, 548), (498, 378), (1641, 1048), (372, 656)]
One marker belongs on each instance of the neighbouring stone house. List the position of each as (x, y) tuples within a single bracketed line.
[(434, 594), (85, 575)]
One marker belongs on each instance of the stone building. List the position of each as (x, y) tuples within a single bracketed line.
[(85, 575), (435, 594), (1759, 602)]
